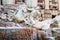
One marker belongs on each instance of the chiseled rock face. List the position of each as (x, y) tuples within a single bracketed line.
[(7, 24), (18, 34)]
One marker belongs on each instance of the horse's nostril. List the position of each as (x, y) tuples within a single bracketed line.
[(53, 16)]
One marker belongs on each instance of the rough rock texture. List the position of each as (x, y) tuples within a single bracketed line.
[(7, 24), (18, 34)]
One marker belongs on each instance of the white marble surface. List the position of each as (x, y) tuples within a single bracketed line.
[(15, 27)]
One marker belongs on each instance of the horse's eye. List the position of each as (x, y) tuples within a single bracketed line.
[(53, 16)]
